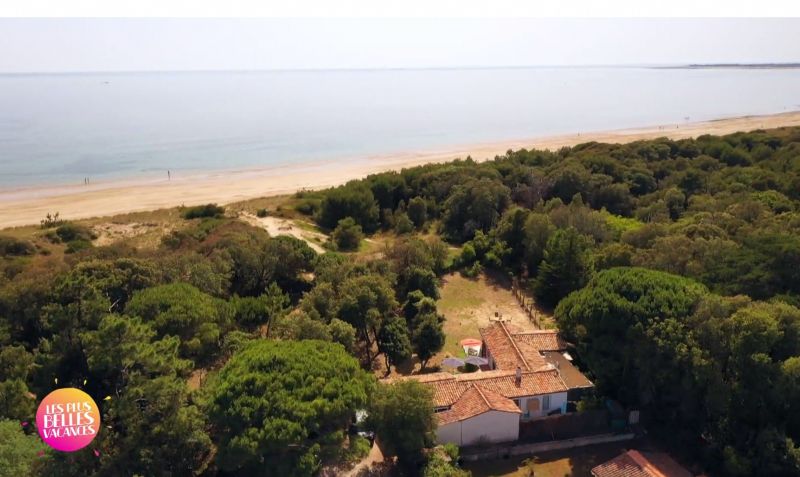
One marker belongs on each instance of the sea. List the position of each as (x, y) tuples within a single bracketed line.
[(63, 128)]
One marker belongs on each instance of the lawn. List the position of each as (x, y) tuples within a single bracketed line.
[(469, 303), (567, 463)]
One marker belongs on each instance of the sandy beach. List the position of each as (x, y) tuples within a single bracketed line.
[(29, 205)]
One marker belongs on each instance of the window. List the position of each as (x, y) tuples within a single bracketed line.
[(546, 402)]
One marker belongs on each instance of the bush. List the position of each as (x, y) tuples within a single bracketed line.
[(468, 255), (10, 246), (77, 245), (261, 213), (402, 224), (452, 451), (443, 462), (308, 206), (69, 232), (51, 221), (175, 239), (358, 449), (474, 270), (347, 235), (200, 211)]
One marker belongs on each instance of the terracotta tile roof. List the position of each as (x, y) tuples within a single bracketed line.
[(531, 384), (448, 390), (474, 401), (498, 402), (426, 378), (509, 353), (641, 464), (542, 340)]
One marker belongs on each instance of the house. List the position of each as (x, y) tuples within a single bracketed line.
[(479, 415), (506, 348), (641, 464), (527, 378)]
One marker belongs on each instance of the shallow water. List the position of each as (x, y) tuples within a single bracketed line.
[(64, 127)]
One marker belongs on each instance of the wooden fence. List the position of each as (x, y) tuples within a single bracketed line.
[(527, 303)]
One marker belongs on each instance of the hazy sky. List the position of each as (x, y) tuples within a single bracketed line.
[(48, 45)]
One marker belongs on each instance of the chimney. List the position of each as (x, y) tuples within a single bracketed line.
[(518, 377)]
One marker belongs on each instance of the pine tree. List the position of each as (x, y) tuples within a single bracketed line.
[(564, 268)]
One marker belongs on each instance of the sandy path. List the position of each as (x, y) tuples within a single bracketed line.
[(28, 206), (278, 226), (375, 456)]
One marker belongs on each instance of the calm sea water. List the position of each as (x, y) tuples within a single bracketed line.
[(62, 128)]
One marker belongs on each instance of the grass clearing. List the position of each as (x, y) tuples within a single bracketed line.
[(469, 303), (567, 463)]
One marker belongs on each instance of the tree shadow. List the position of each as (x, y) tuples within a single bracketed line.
[(497, 279)]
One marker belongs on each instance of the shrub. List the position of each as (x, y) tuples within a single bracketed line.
[(10, 246), (358, 449), (261, 213), (468, 255), (402, 224), (77, 245), (474, 270), (347, 235), (68, 232), (51, 221), (175, 239), (200, 211), (308, 206), (52, 237)]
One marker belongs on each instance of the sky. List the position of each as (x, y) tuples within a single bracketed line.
[(173, 44)]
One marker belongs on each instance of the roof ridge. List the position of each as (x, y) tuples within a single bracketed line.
[(535, 332), (514, 344), (480, 391)]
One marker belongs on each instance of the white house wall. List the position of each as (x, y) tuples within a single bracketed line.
[(491, 426), (449, 433), (494, 426)]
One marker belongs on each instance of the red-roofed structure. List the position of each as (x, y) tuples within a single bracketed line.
[(641, 464), (528, 379)]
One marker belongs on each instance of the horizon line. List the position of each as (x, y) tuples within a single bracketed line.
[(403, 68)]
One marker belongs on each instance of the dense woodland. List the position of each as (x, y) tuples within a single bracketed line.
[(672, 266)]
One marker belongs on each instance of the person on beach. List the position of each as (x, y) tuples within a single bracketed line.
[(169, 178)]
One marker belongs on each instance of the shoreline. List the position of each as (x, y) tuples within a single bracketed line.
[(28, 205)]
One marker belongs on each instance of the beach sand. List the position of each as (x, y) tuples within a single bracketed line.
[(29, 205)]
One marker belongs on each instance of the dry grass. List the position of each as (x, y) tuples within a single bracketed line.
[(568, 463), (468, 304)]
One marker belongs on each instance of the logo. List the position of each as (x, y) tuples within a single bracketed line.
[(68, 419)]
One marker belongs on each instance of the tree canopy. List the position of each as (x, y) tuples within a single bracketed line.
[(402, 416), (277, 405)]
